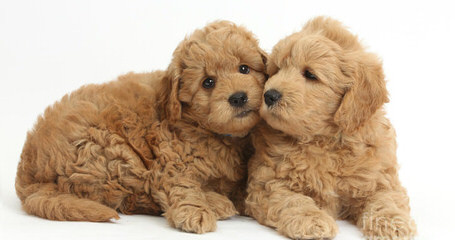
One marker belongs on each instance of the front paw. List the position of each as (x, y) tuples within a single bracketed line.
[(310, 225), (391, 227), (221, 205), (193, 219)]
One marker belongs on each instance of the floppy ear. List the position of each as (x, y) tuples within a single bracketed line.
[(264, 56), (272, 68), (366, 94), (172, 105), (265, 60)]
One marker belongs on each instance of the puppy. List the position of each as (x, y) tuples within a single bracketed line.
[(172, 142), (328, 151)]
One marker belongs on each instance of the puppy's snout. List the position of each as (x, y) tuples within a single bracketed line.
[(238, 99), (271, 97)]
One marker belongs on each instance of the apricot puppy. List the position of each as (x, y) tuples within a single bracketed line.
[(168, 142), (326, 150)]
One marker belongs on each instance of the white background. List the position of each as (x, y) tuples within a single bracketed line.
[(49, 48)]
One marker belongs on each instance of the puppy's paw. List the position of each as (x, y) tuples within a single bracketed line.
[(381, 227), (221, 205), (311, 225), (193, 219)]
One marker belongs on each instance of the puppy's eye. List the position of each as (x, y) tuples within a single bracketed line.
[(208, 83), (308, 75), (244, 69)]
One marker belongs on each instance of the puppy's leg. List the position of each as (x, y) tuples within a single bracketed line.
[(294, 215), (386, 216), (188, 208), (221, 205)]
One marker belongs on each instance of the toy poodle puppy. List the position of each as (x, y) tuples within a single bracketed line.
[(326, 150), (172, 142)]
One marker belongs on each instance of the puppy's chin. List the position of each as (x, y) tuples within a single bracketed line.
[(239, 125)]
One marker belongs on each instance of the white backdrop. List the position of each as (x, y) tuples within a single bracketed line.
[(49, 48)]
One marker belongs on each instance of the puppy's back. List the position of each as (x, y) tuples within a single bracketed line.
[(57, 145)]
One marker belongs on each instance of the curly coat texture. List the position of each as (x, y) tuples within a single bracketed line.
[(151, 143), (326, 150)]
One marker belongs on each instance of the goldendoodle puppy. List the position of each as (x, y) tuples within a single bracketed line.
[(330, 151), (171, 142)]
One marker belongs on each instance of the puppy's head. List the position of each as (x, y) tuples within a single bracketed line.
[(216, 79), (322, 81)]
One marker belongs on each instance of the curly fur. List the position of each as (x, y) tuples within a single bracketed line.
[(151, 143), (326, 150)]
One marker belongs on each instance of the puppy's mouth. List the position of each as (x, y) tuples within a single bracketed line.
[(244, 113), (269, 113), (266, 109)]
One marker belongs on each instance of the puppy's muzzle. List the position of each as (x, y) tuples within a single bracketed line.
[(271, 97), (238, 99)]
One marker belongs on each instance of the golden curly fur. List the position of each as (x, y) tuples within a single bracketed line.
[(151, 143), (330, 151)]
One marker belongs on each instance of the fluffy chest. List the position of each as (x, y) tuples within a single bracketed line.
[(326, 174), (311, 171), (214, 156)]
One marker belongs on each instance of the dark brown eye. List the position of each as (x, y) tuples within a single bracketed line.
[(308, 75), (208, 83), (244, 69)]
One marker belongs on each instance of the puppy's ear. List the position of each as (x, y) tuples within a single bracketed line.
[(265, 60), (172, 105), (264, 56), (272, 68), (366, 94)]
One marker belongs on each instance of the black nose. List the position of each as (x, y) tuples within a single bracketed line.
[(238, 99), (271, 97)]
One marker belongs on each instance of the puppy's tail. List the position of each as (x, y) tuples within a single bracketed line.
[(44, 200)]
